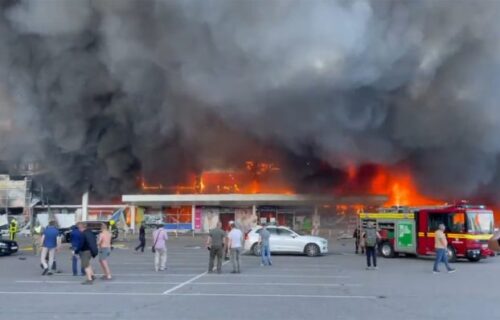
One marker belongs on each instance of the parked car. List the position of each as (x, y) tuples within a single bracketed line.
[(285, 240), (8, 247), (95, 226)]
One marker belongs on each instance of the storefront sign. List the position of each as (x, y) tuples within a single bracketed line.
[(197, 219)]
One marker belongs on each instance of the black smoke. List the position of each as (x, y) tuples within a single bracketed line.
[(101, 91)]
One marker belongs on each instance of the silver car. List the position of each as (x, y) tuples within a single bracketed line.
[(285, 240)]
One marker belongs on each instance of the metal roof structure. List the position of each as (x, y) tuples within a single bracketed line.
[(248, 199)]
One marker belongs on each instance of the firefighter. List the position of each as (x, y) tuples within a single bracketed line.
[(13, 229)]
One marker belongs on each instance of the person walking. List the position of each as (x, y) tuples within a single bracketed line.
[(160, 237), (142, 239), (87, 251), (76, 239), (441, 247), (235, 239), (215, 244), (265, 248), (104, 245), (357, 238), (371, 237), (50, 243)]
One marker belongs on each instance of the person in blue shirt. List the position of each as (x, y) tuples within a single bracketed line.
[(76, 242), (50, 243)]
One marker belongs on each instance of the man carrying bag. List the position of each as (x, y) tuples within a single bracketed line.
[(159, 248)]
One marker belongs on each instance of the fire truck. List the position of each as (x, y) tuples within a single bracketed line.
[(410, 230)]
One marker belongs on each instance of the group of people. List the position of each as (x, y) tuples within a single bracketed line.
[(218, 242), (85, 246), (367, 242)]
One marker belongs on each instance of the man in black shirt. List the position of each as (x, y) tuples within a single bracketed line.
[(142, 239), (87, 250)]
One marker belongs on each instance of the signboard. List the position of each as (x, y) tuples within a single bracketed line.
[(405, 235), (197, 219)]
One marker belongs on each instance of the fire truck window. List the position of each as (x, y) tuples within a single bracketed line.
[(457, 223), (435, 219)]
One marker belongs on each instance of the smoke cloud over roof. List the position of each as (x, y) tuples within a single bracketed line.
[(101, 91)]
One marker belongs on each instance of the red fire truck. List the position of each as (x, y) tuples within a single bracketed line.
[(410, 230)]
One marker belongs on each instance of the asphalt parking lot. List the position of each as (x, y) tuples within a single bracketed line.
[(335, 286)]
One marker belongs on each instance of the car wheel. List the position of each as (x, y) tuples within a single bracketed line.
[(387, 250), (256, 249), (312, 250), (452, 255)]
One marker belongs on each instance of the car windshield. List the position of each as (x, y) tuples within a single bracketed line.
[(480, 222)]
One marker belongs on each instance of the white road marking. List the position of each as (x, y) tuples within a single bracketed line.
[(180, 285), (189, 281), (157, 274), (229, 295), (198, 283), (281, 276), (234, 295), (107, 282), (236, 284), (79, 293)]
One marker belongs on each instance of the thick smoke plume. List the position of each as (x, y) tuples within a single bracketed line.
[(101, 91)]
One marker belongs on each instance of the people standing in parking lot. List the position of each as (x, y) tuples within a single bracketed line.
[(235, 239), (265, 248), (87, 251), (104, 245), (358, 243), (160, 237), (76, 240), (215, 244), (441, 246), (371, 237), (50, 243), (142, 239)]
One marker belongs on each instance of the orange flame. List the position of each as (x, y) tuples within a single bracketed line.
[(400, 188)]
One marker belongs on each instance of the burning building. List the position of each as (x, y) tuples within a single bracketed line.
[(335, 99)]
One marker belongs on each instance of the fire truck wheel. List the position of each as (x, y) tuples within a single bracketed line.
[(452, 255), (256, 249), (387, 250), (312, 250)]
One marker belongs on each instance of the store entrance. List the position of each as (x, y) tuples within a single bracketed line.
[(225, 218)]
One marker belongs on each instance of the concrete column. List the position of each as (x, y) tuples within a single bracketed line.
[(315, 222), (85, 206), (193, 215), (132, 218)]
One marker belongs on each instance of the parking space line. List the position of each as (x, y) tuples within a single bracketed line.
[(74, 293), (107, 282), (169, 291), (180, 285), (302, 296), (278, 284), (274, 284), (280, 276), (163, 275)]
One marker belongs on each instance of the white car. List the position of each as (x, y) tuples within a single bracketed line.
[(285, 240)]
